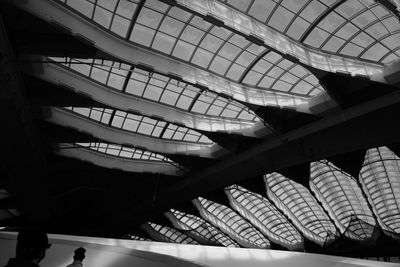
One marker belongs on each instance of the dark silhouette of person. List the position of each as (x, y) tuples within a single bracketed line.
[(32, 244), (79, 255)]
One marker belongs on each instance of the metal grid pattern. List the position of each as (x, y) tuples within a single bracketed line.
[(117, 151), (297, 203), (380, 180), (158, 88), (167, 234), (199, 227), (263, 215), (231, 223), (341, 196), (354, 28), (141, 124), (272, 71)]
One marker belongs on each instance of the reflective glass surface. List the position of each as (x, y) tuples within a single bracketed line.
[(141, 124), (199, 228), (167, 234), (263, 215), (297, 203), (231, 223), (380, 179), (341, 196)]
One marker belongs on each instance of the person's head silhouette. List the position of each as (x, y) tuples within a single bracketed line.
[(31, 245), (79, 254)]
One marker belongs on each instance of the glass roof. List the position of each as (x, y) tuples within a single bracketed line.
[(189, 38), (141, 124), (263, 215), (199, 229), (118, 151), (341, 196), (231, 223), (297, 203), (167, 234), (159, 88), (362, 29), (380, 179)]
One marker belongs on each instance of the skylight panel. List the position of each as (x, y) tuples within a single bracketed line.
[(167, 234), (297, 203), (343, 199), (199, 229), (380, 180), (231, 223), (264, 216)]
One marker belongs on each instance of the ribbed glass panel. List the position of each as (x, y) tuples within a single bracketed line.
[(199, 229), (297, 203), (138, 238), (117, 151), (231, 223), (167, 234), (341, 196), (380, 180), (263, 215), (141, 124), (158, 88)]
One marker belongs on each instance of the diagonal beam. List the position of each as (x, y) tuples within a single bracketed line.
[(366, 125)]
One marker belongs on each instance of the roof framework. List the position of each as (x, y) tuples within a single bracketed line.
[(212, 107)]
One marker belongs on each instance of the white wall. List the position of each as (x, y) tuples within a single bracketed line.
[(113, 252)]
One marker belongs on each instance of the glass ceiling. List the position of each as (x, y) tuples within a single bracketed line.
[(167, 234), (341, 196), (297, 203), (159, 88), (380, 179), (189, 38), (361, 29), (263, 215), (231, 223), (199, 229), (141, 124)]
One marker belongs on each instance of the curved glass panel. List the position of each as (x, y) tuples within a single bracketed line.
[(231, 223), (158, 88), (167, 234), (141, 124), (351, 28), (199, 229), (297, 203), (341, 196), (189, 38), (272, 71), (263, 215), (380, 180), (118, 151)]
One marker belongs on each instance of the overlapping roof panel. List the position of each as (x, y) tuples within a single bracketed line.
[(158, 88), (199, 229), (380, 179), (297, 203), (141, 124), (167, 234), (341, 196), (263, 215), (231, 223)]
